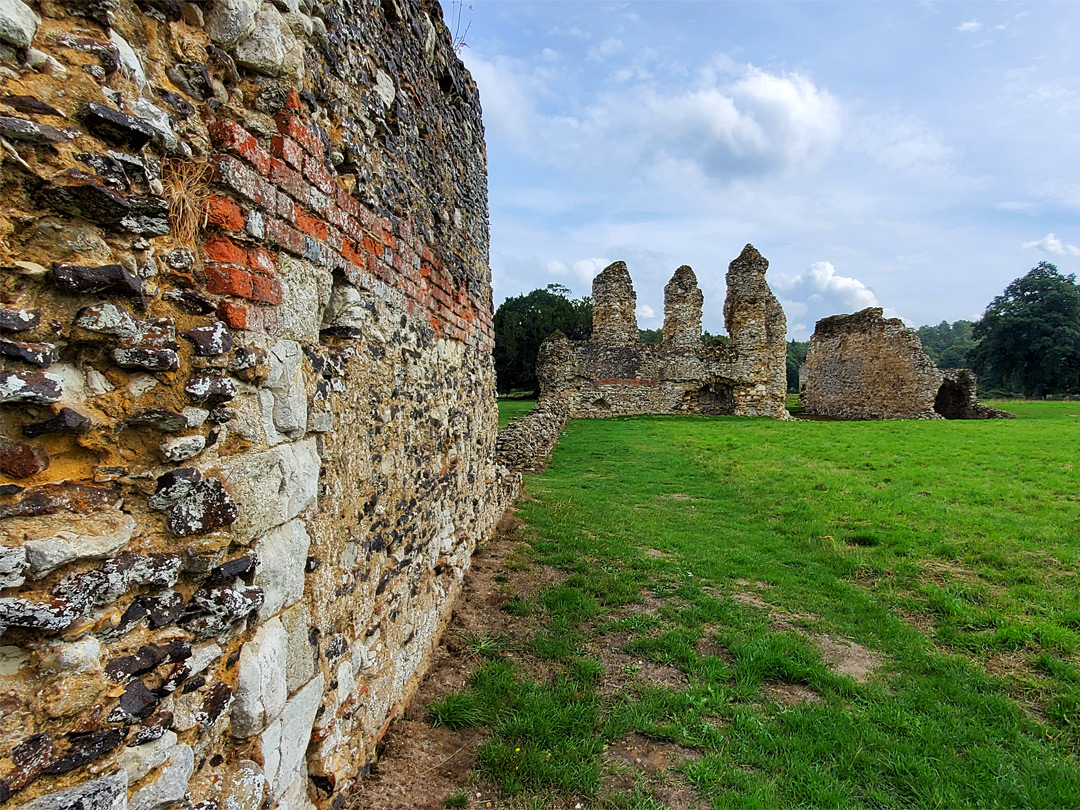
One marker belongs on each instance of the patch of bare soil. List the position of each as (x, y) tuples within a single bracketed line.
[(789, 694), (638, 761), (420, 766), (708, 645), (655, 553), (623, 671)]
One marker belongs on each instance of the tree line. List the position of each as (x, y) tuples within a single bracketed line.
[(1026, 343)]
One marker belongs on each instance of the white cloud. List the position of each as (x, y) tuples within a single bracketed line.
[(606, 49), (583, 270), (1052, 245), (646, 313), (904, 144), (969, 27)]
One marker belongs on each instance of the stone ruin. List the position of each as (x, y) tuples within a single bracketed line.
[(614, 374), (866, 366), (247, 396)]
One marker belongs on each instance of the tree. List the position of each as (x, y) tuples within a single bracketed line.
[(796, 354), (522, 323), (1029, 337), (948, 344)]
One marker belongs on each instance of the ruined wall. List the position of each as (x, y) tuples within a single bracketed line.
[(247, 399), (866, 366), (613, 374)]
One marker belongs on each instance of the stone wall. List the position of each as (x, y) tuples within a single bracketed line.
[(866, 366), (525, 444), (248, 406), (614, 374)]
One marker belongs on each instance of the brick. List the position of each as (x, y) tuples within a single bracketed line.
[(371, 246), (244, 180), (285, 236), (288, 180), (224, 280), (319, 177), (234, 314), (293, 102), (288, 150), (311, 226), (231, 137), (224, 213), (292, 127), (261, 260), (266, 290), (224, 249)]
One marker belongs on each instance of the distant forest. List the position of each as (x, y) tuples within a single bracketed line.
[(1027, 342)]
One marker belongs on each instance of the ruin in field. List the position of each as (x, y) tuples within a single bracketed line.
[(866, 366), (613, 373)]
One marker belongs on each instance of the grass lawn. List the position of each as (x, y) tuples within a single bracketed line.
[(827, 614), (513, 408)]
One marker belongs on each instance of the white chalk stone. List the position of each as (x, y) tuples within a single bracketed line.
[(18, 23), (282, 556), (139, 760), (261, 690), (93, 537), (285, 741)]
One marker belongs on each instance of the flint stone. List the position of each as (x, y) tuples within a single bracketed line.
[(166, 421), (35, 387), (115, 127), (147, 216), (261, 689), (107, 793), (265, 48), (171, 786), (159, 611), (180, 259), (150, 359), (18, 320), (86, 198), (227, 572), (18, 23), (210, 388), (212, 611), (19, 129), (36, 354), (13, 566), (174, 486), (66, 421), (214, 705), (21, 460), (229, 21), (93, 537), (285, 741), (106, 278), (85, 748), (273, 487), (282, 554), (183, 447), (207, 507), (108, 319), (154, 728), (136, 703), (139, 760), (210, 341)]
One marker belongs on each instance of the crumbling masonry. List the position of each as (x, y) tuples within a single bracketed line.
[(614, 374), (248, 413), (866, 366)]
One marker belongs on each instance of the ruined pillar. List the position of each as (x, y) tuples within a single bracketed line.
[(682, 311), (614, 302)]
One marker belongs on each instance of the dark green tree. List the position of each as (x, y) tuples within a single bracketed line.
[(796, 353), (522, 323), (947, 343), (1028, 340)]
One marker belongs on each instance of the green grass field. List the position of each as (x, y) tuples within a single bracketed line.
[(868, 614), (513, 408)]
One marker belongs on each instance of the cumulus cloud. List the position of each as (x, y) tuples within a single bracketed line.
[(969, 27), (583, 270), (1053, 246), (646, 315), (818, 292), (606, 49)]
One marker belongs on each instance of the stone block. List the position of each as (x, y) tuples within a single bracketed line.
[(300, 653), (282, 554), (171, 786), (261, 690), (273, 487), (55, 540), (106, 793), (285, 741)]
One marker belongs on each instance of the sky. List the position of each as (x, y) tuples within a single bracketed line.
[(916, 156)]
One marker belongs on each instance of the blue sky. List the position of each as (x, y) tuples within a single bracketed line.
[(915, 156)]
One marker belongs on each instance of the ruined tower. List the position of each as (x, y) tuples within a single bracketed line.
[(614, 305), (682, 311)]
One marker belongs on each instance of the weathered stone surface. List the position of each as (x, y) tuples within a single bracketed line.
[(205, 508), (18, 320), (106, 278), (65, 421), (229, 21), (149, 358), (866, 366), (284, 396), (170, 787), (211, 388), (106, 793), (55, 541), (18, 23), (265, 48), (300, 653), (116, 127), (285, 741), (167, 421), (273, 487), (261, 689), (41, 355), (139, 760), (282, 554), (212, 611), (36, 387), (612, 373), (183, 447), (84, 749), (108, 318), (19, 129), (173, 487), (13, 565), (21, 460)]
